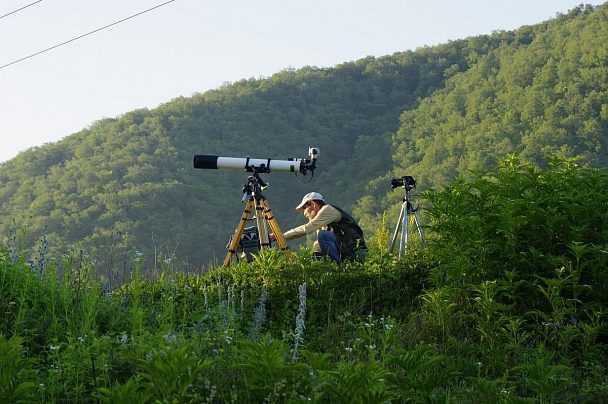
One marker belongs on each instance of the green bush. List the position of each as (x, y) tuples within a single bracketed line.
[(506, 302)]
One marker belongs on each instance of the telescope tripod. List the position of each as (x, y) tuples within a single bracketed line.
[(409, 224), (252, 191)]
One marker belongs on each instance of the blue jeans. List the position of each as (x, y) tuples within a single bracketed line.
[(328, 245)]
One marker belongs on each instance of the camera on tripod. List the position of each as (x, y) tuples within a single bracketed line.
[(407, 182), (408, 222)]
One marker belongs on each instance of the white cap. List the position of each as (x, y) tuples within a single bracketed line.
[(312, 196)]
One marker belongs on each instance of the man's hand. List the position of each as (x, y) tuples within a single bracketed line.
[(271, 237)]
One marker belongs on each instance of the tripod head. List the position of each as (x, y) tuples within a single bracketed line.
[(254, 186)]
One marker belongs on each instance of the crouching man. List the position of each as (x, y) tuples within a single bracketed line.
[(339, 236)]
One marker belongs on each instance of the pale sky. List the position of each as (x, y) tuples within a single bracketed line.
[(191, 46)]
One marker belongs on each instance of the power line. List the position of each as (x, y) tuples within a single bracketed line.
[(19, 9), (82, 36)]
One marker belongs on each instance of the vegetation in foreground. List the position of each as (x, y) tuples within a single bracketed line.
[(506, 303)]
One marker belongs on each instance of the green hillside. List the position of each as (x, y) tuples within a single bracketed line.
[(127, 184), (539, 91)]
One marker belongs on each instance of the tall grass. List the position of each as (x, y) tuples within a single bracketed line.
[(505, 304)]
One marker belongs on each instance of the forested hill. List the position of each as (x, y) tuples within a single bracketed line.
[(539, 91), (127, 184)]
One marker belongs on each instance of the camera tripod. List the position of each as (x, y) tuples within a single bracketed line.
[(408, 222), (252, 191)]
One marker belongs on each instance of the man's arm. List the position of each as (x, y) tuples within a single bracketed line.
[(327, 214)]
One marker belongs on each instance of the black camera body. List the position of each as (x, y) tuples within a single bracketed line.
[(407, 182)]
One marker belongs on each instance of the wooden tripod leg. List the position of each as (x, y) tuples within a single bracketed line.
[(275, 229), (262, 229), (239, 232)]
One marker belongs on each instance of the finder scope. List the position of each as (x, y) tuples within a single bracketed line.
[(267, 165)]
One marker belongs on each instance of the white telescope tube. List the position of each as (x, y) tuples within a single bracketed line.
[(205, 161)]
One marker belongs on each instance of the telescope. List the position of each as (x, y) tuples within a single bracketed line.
[(293, 165), (252, 239)]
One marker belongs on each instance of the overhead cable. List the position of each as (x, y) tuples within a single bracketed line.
[(82, 36), (19, 9)]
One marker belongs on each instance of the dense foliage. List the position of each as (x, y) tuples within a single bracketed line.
[(539, 91), (127, 183), (506, 303)]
